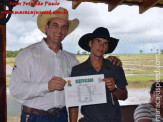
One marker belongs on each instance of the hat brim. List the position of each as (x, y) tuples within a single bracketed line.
[(84, 43), (43, 20)]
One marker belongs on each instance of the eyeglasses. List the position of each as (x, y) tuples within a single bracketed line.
[(100, 42)]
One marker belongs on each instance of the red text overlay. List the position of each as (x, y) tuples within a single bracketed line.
[(38, 3), (34, 12)]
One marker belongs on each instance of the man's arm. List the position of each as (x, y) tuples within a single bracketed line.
[(142, 113), (119, 93), (73, 114), (22, 87), (144, 120)]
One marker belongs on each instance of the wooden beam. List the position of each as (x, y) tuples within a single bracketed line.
[(146, 5), (113, 4), (75, 4), (34, 3), (3, 103)]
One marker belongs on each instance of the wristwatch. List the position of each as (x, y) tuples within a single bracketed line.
[(115, 89)]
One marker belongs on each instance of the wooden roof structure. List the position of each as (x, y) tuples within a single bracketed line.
[(144, 5)]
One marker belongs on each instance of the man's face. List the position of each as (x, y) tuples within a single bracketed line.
[(157, 97), (99, 46), (56, 30)]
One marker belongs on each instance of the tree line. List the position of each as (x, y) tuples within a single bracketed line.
[(152, 52), (12, 54), (82, 53)]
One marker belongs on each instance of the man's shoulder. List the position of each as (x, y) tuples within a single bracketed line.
[(144, 105), (80, 69), (144, 111), (108, 63), (81, 65), (27, 50), (32, 46)]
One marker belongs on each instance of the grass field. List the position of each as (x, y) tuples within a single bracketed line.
[(10, 61), (139, 68)]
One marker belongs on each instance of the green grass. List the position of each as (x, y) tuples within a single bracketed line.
[(10, 61), (82, 58), (141, 59), (142, 78), (7, 81)]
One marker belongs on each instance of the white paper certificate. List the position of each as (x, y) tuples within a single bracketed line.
[(85, 90)]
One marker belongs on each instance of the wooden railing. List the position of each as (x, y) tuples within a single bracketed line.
[(127, 113)]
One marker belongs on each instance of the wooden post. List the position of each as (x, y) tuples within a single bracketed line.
[(3, 103)]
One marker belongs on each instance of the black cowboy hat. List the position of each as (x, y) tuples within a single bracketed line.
[(100, 32)]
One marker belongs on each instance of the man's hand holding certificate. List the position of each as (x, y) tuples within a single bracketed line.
[(85, 90)]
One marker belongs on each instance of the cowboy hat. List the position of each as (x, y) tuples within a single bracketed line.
[(100, 32), (60, 13)]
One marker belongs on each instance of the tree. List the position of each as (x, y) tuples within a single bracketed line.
[(84, 53), (12, 54), (161, 51), (141, 51), (151, 50), (78, 53)]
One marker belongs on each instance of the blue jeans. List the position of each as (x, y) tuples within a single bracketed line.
[(26, 117)]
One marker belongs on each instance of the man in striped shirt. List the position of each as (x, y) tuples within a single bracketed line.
[(153, 111)]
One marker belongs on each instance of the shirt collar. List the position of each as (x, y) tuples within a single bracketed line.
[(43, 42), (105, 63)]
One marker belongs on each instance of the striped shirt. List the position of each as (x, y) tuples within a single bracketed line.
[(146, 111)]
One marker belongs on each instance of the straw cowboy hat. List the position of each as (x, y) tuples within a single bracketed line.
[(100, 32), (61, 13)]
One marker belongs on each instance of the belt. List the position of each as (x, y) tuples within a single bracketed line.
[(51, 113)]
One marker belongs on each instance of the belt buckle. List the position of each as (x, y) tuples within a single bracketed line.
[(53, 113)]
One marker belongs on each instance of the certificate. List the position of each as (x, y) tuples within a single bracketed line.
[(85, 90)]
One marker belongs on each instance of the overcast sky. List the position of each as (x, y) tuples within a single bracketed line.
[(135, 31)]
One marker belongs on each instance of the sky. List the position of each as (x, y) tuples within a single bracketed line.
[(135, 31)]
